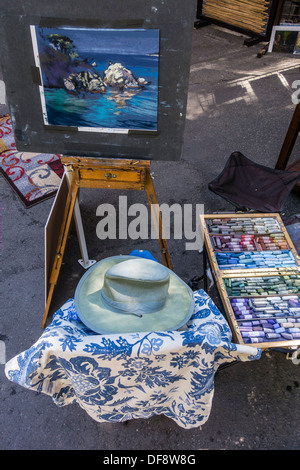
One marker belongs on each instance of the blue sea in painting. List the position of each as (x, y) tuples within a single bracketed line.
[(127, 109), (66, 52)]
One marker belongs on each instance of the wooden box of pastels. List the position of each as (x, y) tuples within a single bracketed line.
[(257, 272)]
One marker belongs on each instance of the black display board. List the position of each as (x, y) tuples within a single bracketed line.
[(98, 78)]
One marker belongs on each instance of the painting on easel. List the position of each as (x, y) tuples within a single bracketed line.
[(103, 80)]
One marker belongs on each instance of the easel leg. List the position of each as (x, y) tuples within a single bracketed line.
[(64, 231), (84, 262), (156, 216)]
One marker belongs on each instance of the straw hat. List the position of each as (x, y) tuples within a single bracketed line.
[(128, 294)]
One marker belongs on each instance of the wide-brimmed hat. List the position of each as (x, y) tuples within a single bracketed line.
[(128, 294)]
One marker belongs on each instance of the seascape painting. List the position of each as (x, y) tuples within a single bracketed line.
[(98, 79)]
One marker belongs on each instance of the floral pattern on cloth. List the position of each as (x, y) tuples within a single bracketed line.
[(29, 173), (119, 377)]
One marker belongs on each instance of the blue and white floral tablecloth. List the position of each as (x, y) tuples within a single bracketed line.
[(117, 377)]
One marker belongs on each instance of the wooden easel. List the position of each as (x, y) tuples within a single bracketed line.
[(88, 172)]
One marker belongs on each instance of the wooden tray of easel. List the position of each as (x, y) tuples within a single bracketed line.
[(221, 275)]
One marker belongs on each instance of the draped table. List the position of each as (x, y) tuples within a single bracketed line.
[(119, 377)]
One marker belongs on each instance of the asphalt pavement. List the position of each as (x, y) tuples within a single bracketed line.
[(237, 102)]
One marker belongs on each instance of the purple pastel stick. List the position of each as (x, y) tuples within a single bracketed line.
[(287, 336)]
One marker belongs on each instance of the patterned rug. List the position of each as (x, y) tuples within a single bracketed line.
[(33, 176)]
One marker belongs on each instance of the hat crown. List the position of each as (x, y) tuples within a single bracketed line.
[(137, 286), (138, 270)]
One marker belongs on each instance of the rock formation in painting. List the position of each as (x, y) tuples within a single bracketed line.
[(63, 68), (116, 75), (86, 81)]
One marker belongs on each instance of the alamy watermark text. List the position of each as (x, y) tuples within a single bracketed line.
[(137, 221)]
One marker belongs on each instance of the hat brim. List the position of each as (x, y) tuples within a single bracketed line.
[(92, 311)]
